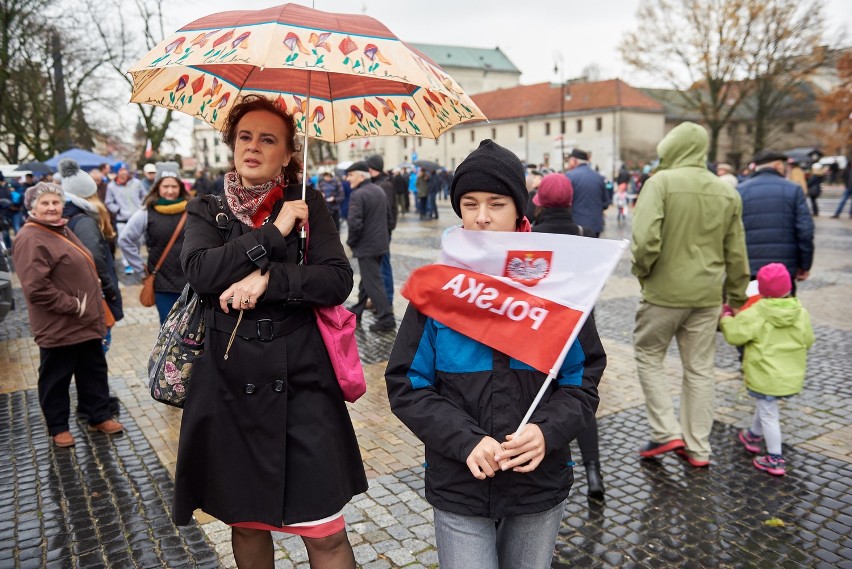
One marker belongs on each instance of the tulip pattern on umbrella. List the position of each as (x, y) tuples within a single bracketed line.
[(342, 76)]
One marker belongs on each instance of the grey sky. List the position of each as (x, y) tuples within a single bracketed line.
[(531, 32)]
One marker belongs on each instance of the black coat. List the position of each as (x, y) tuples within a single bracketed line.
[(369, 220), (778, 224), (265, 435), (85, 227), (386, 184), (158, 233), (556, 220)]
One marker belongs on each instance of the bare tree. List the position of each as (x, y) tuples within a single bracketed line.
[(785, 49), (124, 43), (697, 47)]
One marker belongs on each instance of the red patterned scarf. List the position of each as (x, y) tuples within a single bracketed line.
[(253, 204)]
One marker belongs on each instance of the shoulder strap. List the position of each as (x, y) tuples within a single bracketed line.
[(85, 253), (170, 243)]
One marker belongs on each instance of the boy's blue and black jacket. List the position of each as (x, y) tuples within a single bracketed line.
[(452, 391)]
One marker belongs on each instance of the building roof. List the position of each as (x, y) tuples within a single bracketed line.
[(468, 57), (544, 99)]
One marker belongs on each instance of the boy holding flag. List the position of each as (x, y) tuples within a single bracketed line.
[(498, 497)]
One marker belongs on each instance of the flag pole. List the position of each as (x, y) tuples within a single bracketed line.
[(554, 371)]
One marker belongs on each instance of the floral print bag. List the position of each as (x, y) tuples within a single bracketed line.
[(179, 344)]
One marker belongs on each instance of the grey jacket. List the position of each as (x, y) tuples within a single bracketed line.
[(369, 219)]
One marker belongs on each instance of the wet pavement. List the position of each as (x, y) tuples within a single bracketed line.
[(105, 503)]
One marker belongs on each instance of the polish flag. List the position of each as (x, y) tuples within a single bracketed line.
[(524, 294), (149, 150)]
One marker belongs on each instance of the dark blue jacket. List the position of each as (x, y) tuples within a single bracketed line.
[(453, 391), (778, 224), (590, 197)]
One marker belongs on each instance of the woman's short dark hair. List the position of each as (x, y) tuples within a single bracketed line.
[(251, 103), (154, 193)]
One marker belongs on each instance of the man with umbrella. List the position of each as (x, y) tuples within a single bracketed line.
[(369, 237)]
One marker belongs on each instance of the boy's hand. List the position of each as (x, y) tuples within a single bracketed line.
[(481, 461), (528, 449)]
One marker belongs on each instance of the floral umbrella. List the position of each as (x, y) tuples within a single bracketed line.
[(347, 74)]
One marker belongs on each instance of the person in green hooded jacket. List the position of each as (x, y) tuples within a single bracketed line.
[(776, 332), (688, 243)]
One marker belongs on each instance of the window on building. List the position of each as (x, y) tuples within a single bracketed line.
[(520, 131), (579, 125), (405, 142), (547, 129), (562, 127), (599, 124), (493, 134), (791, 127), (204, 144), (216, 159), (472, 136), (748, 129), (452, 138), (419, 142), (216, 141)]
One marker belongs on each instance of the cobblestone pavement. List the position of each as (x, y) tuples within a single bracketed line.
[(105, 502)]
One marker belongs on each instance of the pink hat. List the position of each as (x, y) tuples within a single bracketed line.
[(555, 190), (773, 281)]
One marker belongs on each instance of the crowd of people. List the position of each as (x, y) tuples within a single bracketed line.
[(266, 441)]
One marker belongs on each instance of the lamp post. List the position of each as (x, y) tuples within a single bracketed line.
[(559, 66)]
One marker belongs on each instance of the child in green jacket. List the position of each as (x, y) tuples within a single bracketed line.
[(776, 332)]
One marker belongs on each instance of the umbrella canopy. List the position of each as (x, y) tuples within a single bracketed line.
[(35, 168), (362, 80), (85, 159), (427, 165)]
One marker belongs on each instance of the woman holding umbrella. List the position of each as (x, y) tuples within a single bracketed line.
[(266, 442)]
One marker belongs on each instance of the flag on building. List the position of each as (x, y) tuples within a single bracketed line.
[(524, 294)]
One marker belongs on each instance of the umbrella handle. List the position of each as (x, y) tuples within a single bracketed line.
[(303, 234)]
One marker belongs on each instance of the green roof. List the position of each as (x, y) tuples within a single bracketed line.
[(469, 57)]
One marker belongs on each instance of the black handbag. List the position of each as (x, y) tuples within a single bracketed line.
[(179, 344)]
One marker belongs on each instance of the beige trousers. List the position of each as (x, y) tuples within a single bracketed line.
[(695, 331)]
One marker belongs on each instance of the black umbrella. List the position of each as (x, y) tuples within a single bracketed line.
[(427, 165), (35, 168)]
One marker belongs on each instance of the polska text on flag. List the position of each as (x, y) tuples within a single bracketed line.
[(524, 294)]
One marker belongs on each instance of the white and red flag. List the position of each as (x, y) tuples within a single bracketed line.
[(524, 294)]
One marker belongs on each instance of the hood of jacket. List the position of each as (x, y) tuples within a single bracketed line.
[(780, 312), (75, 205), (686, 145)]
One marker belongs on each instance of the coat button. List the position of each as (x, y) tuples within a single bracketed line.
[(279, 386), (249, 389)]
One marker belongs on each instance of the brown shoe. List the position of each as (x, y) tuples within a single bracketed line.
[(109, 427), (64, 439)]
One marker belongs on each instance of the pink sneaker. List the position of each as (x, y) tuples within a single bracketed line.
[(750, 442), (773, 464)]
